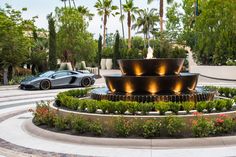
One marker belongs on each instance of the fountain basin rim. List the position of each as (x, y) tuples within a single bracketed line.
[(150, 59), (132, 76)]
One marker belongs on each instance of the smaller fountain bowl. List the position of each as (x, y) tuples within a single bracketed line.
[(151, 67)]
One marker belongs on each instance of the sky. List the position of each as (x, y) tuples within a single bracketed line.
[(42, 8)]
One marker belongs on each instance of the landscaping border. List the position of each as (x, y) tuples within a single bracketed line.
[(128, 142)]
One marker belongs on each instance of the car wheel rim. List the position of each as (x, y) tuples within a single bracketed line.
[(45, 85), (86, 82)]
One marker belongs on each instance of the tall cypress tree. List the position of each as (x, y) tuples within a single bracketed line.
[(52, 43), (99, 55), (116, 54)]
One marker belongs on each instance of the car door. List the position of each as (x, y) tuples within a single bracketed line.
[(61, 79)]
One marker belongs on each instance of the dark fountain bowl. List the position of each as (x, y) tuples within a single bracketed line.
[(185, 82), (151, 67)]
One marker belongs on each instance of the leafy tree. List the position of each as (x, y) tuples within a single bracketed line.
[(72, 37), (37, 56), (52, 44), (13, 43), (105, 8), (173, 24), (212, 33), (131, 10)]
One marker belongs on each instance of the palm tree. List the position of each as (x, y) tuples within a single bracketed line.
[(161, 7), (146, 21), (64, 2), (121, 19), (131, 10), (74, 3), (105, 8), (85, 12)]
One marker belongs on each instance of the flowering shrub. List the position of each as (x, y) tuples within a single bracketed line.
[(43, 115), (174, 126), (151, 128), (223, 124), (122, 127), (201, 126)]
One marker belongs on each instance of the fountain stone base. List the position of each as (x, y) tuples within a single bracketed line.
[(195, 96)]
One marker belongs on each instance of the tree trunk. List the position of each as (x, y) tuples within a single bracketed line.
[(104, 30), (69, 4), (161, 15), (5, 76), (74, 3), (122, 22)]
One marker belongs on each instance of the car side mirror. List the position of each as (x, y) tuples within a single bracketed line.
[(53, 76)]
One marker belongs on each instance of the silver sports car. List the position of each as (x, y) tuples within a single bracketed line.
[(57, 79)]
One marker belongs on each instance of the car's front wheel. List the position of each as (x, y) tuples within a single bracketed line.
[(85, 82), (45, 85)]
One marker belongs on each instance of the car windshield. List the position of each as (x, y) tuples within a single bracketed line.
[(46, 74)]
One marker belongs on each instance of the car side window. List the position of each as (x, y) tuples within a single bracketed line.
[(61, 74)]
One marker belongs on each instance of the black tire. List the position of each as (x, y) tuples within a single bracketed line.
[(45, 85), (85, 82)]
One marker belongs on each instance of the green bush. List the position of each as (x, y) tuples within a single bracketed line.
[(151, 128), (228, 104), (103, 105), (226, 91), (187, 106), (122, 127), (79, 125), (220, 105), (221, 91), (234, 99), (145, 108), (210, 105), (132, 107), (202, 127), (111, 107), (200, 106), (174, 126), (162, 107), (60, 122), (121, 107), (82, 105), (174, 107), (96, 128), (92, 106)]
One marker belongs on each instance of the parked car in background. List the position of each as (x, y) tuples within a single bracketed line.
[(58, 79)]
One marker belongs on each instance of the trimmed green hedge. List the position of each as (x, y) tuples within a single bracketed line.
[(223, 91), (71, 100)]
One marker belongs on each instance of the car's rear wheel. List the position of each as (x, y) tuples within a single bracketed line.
[(85, 82), (45, 85)]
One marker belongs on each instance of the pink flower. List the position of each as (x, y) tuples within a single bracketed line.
[(219, 120)]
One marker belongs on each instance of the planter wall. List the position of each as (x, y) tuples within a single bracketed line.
[(221, 72), (108, 119)]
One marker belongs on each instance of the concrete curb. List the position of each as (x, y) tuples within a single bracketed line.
[(33, 130)]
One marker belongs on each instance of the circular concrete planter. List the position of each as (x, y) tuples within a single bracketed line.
[(106, 119)]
